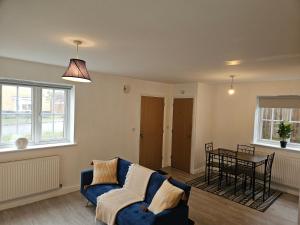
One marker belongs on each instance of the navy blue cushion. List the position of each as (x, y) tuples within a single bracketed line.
[(94, 191), (123, 166), (134, 215)]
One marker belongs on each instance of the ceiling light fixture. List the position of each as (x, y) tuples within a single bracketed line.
[(231, 91), (233, 62), (77, 70)]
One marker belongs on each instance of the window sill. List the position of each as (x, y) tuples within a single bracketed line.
[(272, 146), (36, 147)]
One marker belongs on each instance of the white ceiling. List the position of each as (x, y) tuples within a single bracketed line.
[(163, 40)]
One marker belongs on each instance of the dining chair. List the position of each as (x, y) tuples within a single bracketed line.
[(210, 160), (229, 166), (246, 149), (246, 166), (266, 177)]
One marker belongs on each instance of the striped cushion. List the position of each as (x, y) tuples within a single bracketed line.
[(105, 172)]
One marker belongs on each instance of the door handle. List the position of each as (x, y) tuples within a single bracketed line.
[(141, 135)]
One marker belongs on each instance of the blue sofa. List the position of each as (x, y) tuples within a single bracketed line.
[(134, 214)]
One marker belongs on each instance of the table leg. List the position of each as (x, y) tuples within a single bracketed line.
[(208, 174), (221, 171), (253, 182)]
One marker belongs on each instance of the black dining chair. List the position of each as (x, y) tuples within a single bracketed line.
[(246, 149), (209, 162), (266, 177), (229, 166)]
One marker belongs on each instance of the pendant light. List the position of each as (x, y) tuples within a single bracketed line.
[(77, 70), (231, 91)]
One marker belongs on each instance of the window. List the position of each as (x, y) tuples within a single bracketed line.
[(16, 113), (269, 115), (52, 115), (39, 112)]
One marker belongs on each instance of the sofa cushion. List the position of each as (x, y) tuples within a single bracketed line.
[(135, 215), (167, 197), (94, 191), (105, 172)]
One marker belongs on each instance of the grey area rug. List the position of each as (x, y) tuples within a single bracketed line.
[(242, 197)]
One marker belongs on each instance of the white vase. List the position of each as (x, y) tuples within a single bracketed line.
[(21, 143)]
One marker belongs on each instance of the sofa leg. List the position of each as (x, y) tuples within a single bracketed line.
[(87, 204)]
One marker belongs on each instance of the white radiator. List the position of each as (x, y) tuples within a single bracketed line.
[(27, 177), (286, 171)]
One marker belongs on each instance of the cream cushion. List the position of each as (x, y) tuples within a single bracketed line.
[(105, 172), (167, 197)]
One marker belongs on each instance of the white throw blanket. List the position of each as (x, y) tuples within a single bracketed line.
[(134, 190)]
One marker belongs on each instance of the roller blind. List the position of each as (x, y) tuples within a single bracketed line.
[(286, 101), (34, 83)]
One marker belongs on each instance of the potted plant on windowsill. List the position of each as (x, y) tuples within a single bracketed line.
[(284, 132)]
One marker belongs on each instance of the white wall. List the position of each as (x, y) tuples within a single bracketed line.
[(233, 120), (234, 115), (107, 121), (204, 121)]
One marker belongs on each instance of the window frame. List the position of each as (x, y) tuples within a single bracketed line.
[(4, 145), (259, 125), (36, 113)]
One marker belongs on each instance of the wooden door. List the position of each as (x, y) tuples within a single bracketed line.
[(151, 132), (182, 133)]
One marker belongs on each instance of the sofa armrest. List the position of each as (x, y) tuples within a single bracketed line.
[(176, 216), (86, 178), (186, 188)]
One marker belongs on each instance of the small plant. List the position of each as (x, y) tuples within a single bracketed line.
[(284, 132)]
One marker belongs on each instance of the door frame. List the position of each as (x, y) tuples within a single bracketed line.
[(165, 129), (193, 143)]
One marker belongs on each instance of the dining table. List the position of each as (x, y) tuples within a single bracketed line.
[(255, 161)]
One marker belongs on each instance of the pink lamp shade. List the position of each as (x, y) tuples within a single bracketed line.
[(77, 71)]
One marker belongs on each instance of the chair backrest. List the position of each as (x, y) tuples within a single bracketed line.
[(227, 157), (209, 146), (269, 163), (246, 149)]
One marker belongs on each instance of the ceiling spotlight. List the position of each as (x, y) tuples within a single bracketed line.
[(231, 90), (233, 62)]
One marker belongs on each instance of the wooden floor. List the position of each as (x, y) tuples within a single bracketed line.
[(209, 209), (205, 209)]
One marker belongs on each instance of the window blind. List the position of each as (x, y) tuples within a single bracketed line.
[(286, 101), (34, 83)]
